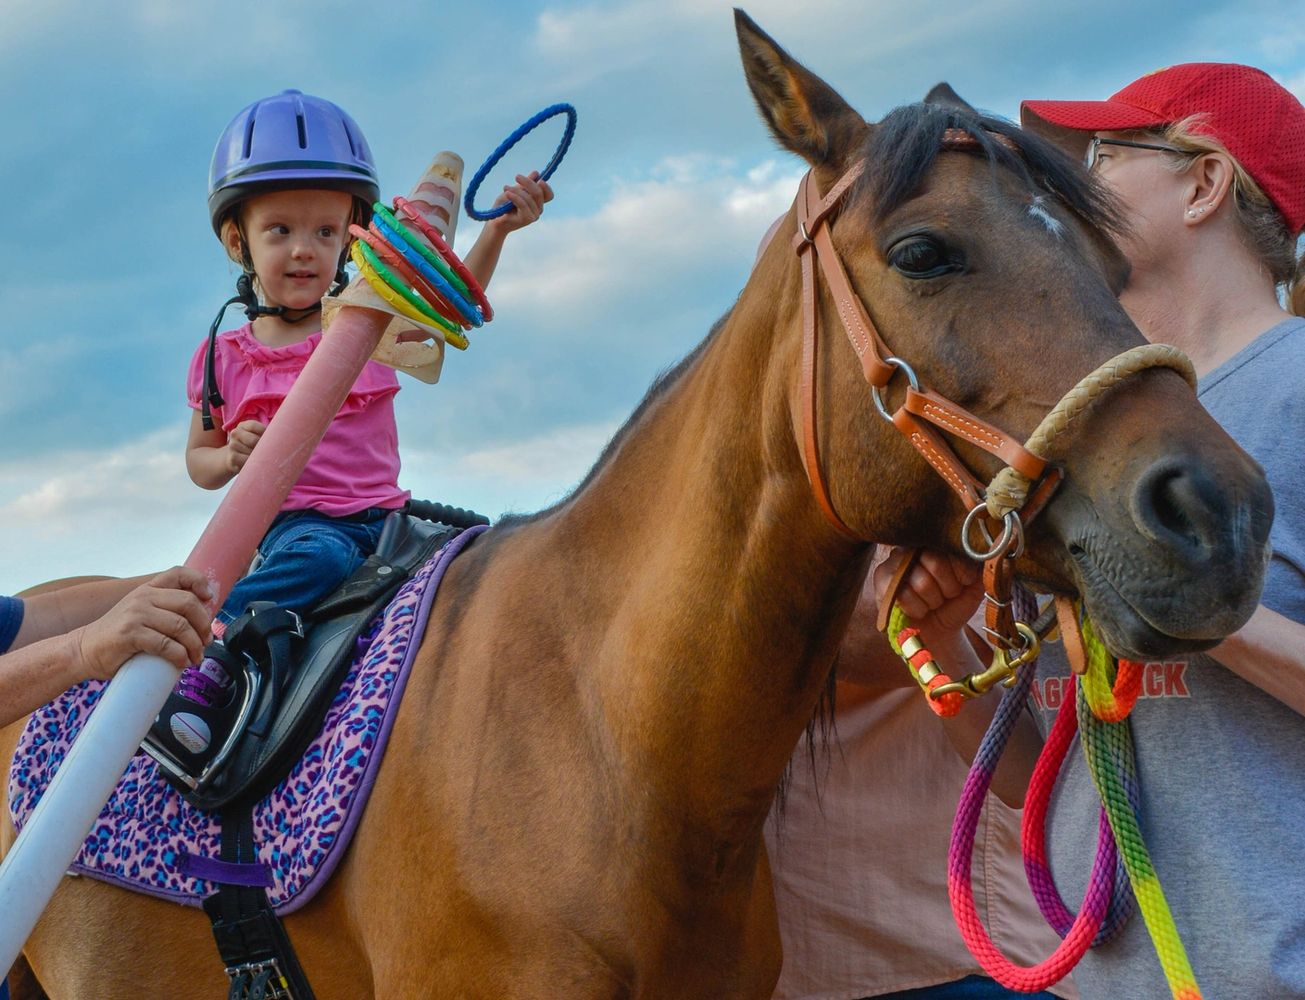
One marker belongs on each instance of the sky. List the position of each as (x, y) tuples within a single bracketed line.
[(111, 275)]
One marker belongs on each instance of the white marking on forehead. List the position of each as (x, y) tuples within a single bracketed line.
[(1054, 225)]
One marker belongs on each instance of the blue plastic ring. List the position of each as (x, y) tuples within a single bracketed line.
[(469, 313), (508, 143)]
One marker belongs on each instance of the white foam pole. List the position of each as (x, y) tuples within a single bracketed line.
[(54, 832)]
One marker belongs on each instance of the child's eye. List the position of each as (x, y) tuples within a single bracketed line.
[(326, 232)]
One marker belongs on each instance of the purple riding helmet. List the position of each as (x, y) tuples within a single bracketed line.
[(290, 140)]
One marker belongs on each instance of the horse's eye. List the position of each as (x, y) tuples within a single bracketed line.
[(920, 257)]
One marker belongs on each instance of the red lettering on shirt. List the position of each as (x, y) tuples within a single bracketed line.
[(1175, 679), (1160, 679), (1165, 679)]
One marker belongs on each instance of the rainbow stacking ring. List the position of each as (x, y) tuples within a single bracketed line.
[(376, 275), (437, 241), (426, 261), (508, 143)]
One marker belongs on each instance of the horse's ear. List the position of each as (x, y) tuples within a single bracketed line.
[(943, 94), (805, 114)]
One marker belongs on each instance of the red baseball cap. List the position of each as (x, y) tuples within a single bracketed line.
[(1255, 118)]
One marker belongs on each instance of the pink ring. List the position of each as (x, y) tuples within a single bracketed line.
[(446, 251)]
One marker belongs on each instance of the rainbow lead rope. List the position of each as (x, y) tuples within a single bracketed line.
[(1108, 747), (1096, 901), (906, 643)]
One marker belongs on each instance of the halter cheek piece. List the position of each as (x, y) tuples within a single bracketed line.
[(1019, 491)]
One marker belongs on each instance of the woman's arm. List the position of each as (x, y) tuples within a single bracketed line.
[(1269, 652), (47, 613), (166, 617)]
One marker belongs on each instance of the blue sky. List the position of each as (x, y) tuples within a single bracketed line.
[(111, 274)]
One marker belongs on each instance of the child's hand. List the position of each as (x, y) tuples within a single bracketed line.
[(529, 195), (240, 443), (165, 617)]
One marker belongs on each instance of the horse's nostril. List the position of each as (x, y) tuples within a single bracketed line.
[(1171, 497), (1179, 506)]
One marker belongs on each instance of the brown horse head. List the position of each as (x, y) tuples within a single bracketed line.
[(992, 272)]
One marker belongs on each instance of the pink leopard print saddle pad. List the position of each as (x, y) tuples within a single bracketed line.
[(148, 837)]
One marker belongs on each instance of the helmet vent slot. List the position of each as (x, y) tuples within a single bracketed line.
[(303, 134), (348, 134), (249, 138)]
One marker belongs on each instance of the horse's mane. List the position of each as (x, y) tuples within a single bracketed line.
[(901, 149)]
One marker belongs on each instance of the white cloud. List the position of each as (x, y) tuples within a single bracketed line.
[(522, 475), (693, 214), (132, 510), (120, 512)]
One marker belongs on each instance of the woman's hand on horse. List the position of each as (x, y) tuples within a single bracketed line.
[(529, 195), (166, 617), (939, 594), (241, 441)]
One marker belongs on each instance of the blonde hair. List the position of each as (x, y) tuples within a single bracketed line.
[(233, 239), (1263, 227)]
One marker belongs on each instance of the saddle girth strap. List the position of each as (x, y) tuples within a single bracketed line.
[(256, 952)]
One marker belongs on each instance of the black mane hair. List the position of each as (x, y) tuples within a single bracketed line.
[(901, 150)]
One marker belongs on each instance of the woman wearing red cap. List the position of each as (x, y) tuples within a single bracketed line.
[(1208, 161)]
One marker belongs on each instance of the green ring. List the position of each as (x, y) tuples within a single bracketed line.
[(397, 284), (419, 245)]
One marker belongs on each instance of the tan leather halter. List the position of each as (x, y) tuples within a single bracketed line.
[(921, 406), (1020, 490)]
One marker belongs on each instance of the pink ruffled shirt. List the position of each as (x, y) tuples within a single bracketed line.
[(356, 465)]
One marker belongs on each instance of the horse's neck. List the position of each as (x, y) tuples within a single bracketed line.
[(721, 595)]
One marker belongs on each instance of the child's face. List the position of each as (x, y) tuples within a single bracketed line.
[(295, 240)]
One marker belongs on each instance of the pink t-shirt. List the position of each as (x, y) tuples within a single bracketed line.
[(356, 465)]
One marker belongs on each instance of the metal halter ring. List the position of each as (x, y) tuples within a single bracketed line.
[(1012, 532), (910, 377)]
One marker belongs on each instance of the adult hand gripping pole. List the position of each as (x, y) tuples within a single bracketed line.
[(54, 833)]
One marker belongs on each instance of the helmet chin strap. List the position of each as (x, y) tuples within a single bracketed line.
[(247, 297)]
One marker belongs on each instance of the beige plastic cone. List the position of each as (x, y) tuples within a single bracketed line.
[(421, 355)]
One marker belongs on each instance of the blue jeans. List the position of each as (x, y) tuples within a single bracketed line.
[(969, 988), (306, 555)]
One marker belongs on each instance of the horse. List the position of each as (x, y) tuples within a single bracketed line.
[(608, 691)]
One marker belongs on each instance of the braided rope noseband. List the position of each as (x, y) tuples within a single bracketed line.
[(1009, 488)]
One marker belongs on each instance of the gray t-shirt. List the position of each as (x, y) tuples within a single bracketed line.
[(1221, 763)]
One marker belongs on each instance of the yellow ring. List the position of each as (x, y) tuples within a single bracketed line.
[(404, 307)]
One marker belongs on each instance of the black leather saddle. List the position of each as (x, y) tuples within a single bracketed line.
[(288, 667)]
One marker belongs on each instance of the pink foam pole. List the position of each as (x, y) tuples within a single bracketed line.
[(59, 824), (228, 543)]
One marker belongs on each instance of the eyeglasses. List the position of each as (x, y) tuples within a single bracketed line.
[(1090, 157)]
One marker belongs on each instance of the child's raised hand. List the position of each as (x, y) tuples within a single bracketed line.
[(241, 441), (165, 617), (529, 195)]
